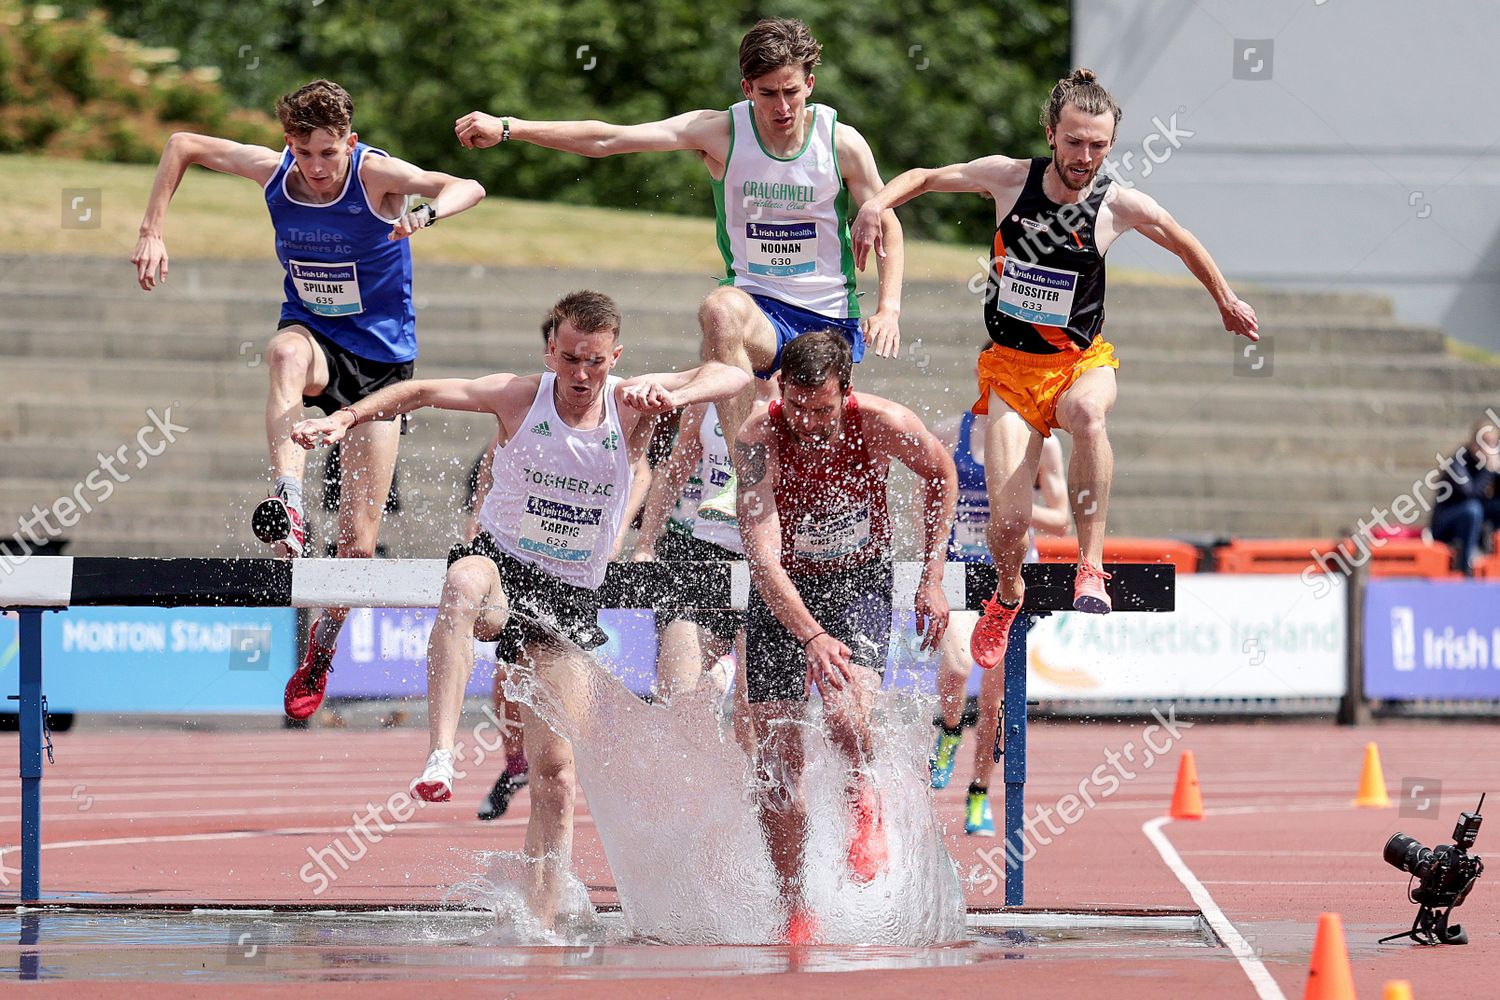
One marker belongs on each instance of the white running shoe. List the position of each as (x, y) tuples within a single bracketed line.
[(436, 782), (722, 507)]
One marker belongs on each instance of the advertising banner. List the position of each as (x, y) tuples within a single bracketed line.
[(1230, 637), (1432, 639), (167, 660)]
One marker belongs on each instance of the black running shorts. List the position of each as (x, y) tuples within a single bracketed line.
[(676, 545), (571, 611), (350, 377), (853, 606)]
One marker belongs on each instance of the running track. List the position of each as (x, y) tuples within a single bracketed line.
[(157, 815)]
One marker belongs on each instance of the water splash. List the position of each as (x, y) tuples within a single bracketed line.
[(673, 798)]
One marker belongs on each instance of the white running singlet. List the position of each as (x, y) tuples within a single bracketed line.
[(560, 491), (783, 224), (714, 468)]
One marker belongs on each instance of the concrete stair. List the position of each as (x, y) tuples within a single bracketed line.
[(1353, 411)]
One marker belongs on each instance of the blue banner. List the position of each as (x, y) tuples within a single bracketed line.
[(382, 653), (169, 660), (1438, 639)]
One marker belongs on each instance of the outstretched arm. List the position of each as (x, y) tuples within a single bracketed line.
[(183, 149), (658, 393), (882, 330), (1138, 211), (667, 482), (905, 439), (479, 395), (702, 131), (983, 176), (448, 195)]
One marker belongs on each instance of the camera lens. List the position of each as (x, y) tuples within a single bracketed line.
[(1406, 853)]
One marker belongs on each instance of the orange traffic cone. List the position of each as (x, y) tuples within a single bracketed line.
[(1372, 782), (1397, 989), (1329, 976), (1187, 800)]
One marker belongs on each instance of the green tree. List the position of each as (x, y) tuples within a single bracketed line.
[(926, 81)]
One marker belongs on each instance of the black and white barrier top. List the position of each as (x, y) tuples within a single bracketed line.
[(107, 581)]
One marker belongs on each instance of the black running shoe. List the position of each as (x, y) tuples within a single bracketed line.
[(498, 800)]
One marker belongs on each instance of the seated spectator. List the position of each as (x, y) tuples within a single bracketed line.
[(1470, 475)]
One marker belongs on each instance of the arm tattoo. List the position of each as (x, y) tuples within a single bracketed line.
[(752, 462)]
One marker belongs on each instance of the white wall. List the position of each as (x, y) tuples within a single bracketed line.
[(1360, 149)]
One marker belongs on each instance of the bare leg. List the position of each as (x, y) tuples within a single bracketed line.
[(737, 333), (684, 652), (991, 696), (509, 714), (297, 367), (554, 786), (783, 815), (1081, 412), (847, 713), (1012, 452), (473, 605), (368, 462), (744, 724), (955, 665)]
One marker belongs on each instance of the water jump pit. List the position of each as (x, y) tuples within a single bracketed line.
[(252, 943)]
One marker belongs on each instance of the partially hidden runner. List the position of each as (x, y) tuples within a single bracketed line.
[(692, 641), (569, 439), (1049, 513), (787, 177), (817, 536), (342, 213), (1049, 365)]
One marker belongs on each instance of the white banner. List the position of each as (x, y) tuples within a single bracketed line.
[(1230, 637)]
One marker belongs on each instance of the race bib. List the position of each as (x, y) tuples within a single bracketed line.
[(781, 248), (1036, 294), (969, 538), (718, 475), (834, 537), (561, 531), (327, 289)]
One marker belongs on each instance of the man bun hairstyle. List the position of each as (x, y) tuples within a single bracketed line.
[(320, 104), (810, 360), (775, 42), (1081, 89)]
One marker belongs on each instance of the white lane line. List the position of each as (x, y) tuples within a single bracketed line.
[(303, 831), (1265, 986), (1274, 854), (1266, 882)]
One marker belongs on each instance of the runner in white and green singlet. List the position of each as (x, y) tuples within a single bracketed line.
[(788, 177)]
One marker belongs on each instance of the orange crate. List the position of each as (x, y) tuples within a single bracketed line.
[(1386, 557), (1276, 555)]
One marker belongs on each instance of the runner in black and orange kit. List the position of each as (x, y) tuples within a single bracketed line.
[(817, 536), (1049, 365)]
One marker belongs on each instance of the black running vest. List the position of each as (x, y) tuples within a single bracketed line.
[(1046, 285)]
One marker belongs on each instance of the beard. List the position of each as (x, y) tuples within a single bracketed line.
[(1069, 181)]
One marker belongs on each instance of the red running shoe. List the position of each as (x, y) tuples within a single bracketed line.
[(278, 523), (992, 633), (869, 854), (801, 926), (304, 692), (1088, 589)]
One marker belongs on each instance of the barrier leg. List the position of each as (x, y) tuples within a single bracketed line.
[(30, 717), (1013, 760)]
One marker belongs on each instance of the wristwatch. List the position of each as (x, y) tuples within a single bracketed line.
[(432, 215)]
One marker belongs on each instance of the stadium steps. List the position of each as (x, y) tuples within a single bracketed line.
[(1351, 414)]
